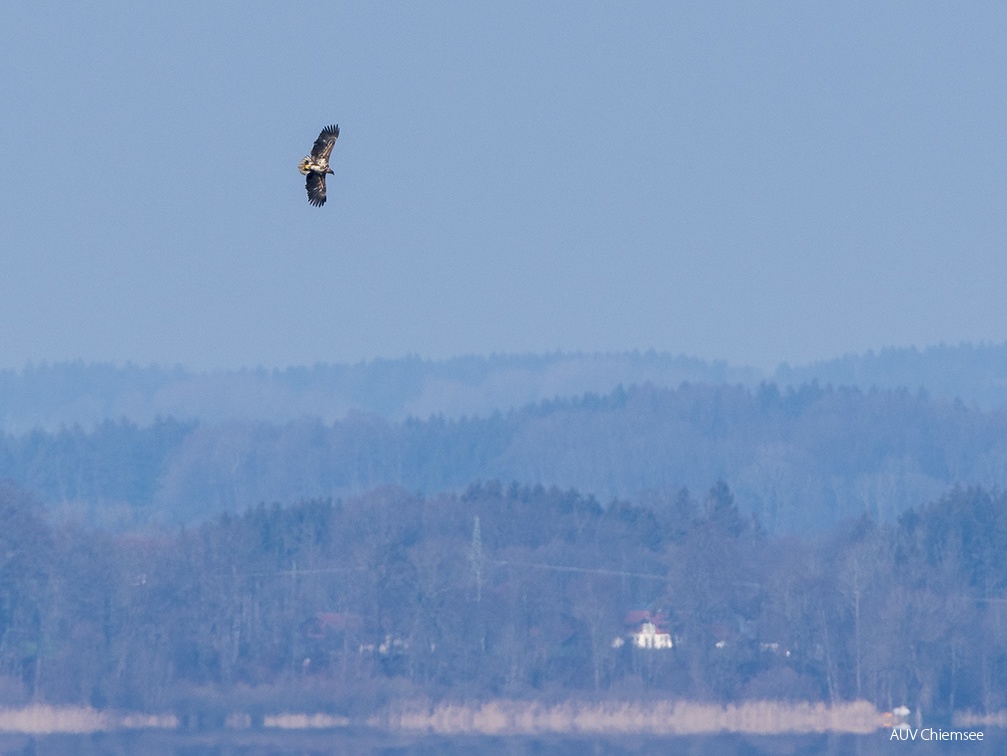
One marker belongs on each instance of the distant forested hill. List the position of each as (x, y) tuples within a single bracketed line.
[(66, 394), (798, 459), (975, 374), (49, 396)]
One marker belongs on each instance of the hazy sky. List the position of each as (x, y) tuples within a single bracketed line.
[(757, 182)]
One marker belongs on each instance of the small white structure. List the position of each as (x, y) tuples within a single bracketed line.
[(648, 636)]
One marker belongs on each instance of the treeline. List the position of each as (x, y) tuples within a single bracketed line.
[(49, 396), (972, 373), (505, 591), (798, 459)]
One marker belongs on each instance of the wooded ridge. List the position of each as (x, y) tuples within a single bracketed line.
[(798, 459), (524, 593)]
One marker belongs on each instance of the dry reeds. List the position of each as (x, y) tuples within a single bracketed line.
[(665, 717)]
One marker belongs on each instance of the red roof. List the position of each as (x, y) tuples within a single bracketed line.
[(637, 617)]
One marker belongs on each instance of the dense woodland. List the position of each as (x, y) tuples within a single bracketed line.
[(50, 396), (504, 591), (798, 459), (345, 557)]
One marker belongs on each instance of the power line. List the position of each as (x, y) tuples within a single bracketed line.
[(582, 570)]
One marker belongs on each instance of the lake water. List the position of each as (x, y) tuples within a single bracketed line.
[(369, 743)]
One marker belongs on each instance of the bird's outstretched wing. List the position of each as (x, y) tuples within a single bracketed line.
[(316, 188), (323, 145)]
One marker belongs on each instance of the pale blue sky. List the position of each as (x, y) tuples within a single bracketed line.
[(755, 182)]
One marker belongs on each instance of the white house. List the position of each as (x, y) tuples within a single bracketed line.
[(648, 636)]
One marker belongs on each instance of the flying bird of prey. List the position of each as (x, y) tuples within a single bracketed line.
[(316, 165)]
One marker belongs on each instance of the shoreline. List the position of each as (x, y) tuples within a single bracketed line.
[(497, 717), (631, 718)]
